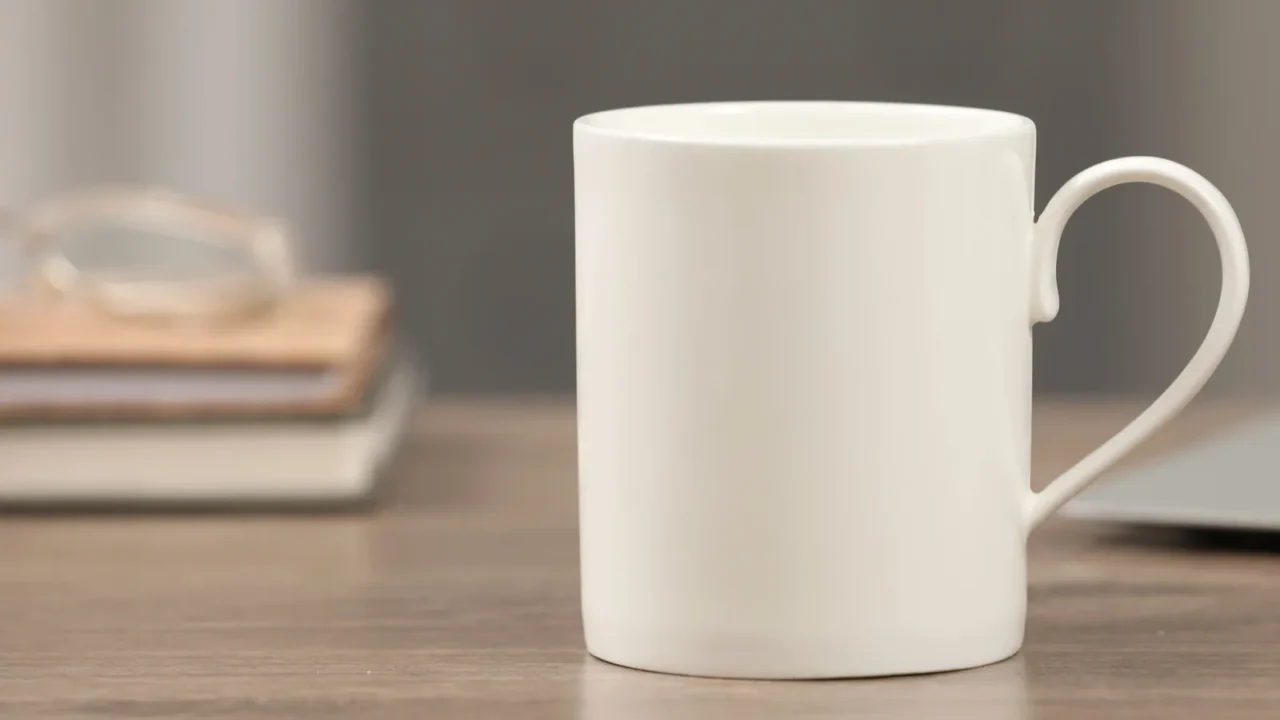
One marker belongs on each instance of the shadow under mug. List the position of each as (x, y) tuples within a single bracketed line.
[(999, 692)]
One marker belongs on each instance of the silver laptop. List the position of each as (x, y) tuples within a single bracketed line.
[(1228, 480)]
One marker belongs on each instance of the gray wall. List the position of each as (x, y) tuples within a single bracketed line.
[(469, 106), (246, 102)]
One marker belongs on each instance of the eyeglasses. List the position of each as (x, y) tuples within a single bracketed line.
[(211, 265)]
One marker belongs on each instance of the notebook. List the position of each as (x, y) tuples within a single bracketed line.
[(315, 354), (284, 459)]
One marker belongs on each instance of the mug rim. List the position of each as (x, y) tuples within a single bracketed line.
[(931, 124)]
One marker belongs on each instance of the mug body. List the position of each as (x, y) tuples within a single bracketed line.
[(804, 386)]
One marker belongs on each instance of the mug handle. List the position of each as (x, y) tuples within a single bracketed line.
[(1231, 304)]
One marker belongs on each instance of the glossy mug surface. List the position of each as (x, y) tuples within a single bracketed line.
[(804, 381)]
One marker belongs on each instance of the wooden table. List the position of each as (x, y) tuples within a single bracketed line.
[(456, 597)]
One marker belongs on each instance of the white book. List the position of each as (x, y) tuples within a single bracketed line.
[(307, 459), (78, 387)]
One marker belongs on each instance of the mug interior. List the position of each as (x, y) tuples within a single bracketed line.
[(798, 122)]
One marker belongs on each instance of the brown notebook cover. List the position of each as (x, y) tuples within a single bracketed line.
[(335, 326), (323, 324)]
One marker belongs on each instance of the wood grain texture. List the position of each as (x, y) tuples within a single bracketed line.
[(456, 597)]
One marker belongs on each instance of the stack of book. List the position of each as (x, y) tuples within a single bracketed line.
[(307, 403)]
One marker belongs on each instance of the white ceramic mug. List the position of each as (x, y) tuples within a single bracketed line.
[(804, 381)]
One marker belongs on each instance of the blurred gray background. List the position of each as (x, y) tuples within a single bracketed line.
[(430, 140)]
